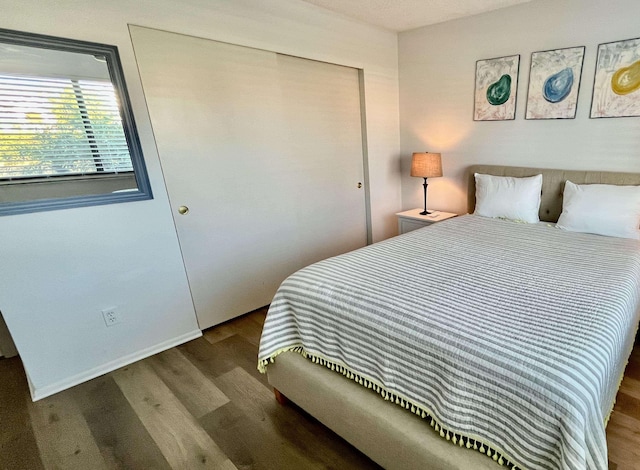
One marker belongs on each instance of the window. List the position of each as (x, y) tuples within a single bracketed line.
[(67, 134), (53, 127)]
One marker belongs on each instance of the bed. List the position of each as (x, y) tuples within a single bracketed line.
[(482, 376)]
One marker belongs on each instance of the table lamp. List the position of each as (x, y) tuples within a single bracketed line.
[(426, 165)]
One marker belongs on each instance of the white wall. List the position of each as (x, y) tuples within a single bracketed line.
[(61, 268), (437, 66)]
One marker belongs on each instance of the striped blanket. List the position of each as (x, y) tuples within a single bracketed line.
[(508, 338)]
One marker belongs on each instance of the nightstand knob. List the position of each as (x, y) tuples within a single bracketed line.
[(183, 210), (359, 185)]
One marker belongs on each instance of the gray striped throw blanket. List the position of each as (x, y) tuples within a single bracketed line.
[(508, 338)]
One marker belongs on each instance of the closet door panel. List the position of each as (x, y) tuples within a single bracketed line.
[(321, 112), (247, 148)]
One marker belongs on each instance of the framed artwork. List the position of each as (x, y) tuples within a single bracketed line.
[(616, 85), (554, 82), (496, 87)]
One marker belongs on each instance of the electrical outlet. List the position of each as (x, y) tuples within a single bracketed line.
[(111, 316)]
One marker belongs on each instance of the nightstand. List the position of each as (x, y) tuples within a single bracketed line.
[(412, 220)]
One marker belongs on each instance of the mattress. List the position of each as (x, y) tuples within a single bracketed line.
[(507, 338)]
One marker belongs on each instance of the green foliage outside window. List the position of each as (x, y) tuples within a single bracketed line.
[(52, 127)]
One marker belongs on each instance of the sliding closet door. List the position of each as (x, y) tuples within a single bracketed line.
[(322, 124), (265, 151)]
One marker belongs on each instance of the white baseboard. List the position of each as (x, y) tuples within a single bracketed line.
[(43, 392)]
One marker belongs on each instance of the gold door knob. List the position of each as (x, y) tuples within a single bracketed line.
[(183, 210), (359, 185)]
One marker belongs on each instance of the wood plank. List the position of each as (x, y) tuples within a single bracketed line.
[(122, 439), (227, 427), (259, 315), (630, 387), (627, 405), (249, 329), (250, 395), (180, 438), (623, 435), (223, 356), (249, 326), (254, 397), (7, 346), (63, 436), (266, 443), (219, 333), (196, 392), (18, 448), (633, 367), (287, 428)]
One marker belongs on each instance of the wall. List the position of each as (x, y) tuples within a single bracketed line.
[(437, 66), (61, 268)]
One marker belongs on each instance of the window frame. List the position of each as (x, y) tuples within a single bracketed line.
[(114, 66)]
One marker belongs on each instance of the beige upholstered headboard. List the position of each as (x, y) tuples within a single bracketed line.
[(552, 183)]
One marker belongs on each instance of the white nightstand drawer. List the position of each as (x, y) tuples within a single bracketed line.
[(412, 219)]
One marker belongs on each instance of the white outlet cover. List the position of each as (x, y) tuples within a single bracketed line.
[(111, 316)]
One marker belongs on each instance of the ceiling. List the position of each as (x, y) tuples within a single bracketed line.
[(401, 15)]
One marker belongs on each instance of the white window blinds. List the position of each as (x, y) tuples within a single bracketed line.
[(59, 126)]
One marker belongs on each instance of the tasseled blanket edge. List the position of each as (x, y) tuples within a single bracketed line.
[(455, 438)]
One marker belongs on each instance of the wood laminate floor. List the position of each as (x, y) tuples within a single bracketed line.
[(204, 405)]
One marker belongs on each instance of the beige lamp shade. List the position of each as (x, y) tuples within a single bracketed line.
[(426, 165)]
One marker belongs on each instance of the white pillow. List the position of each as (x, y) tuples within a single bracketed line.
[(508, 198), (603, 209)]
